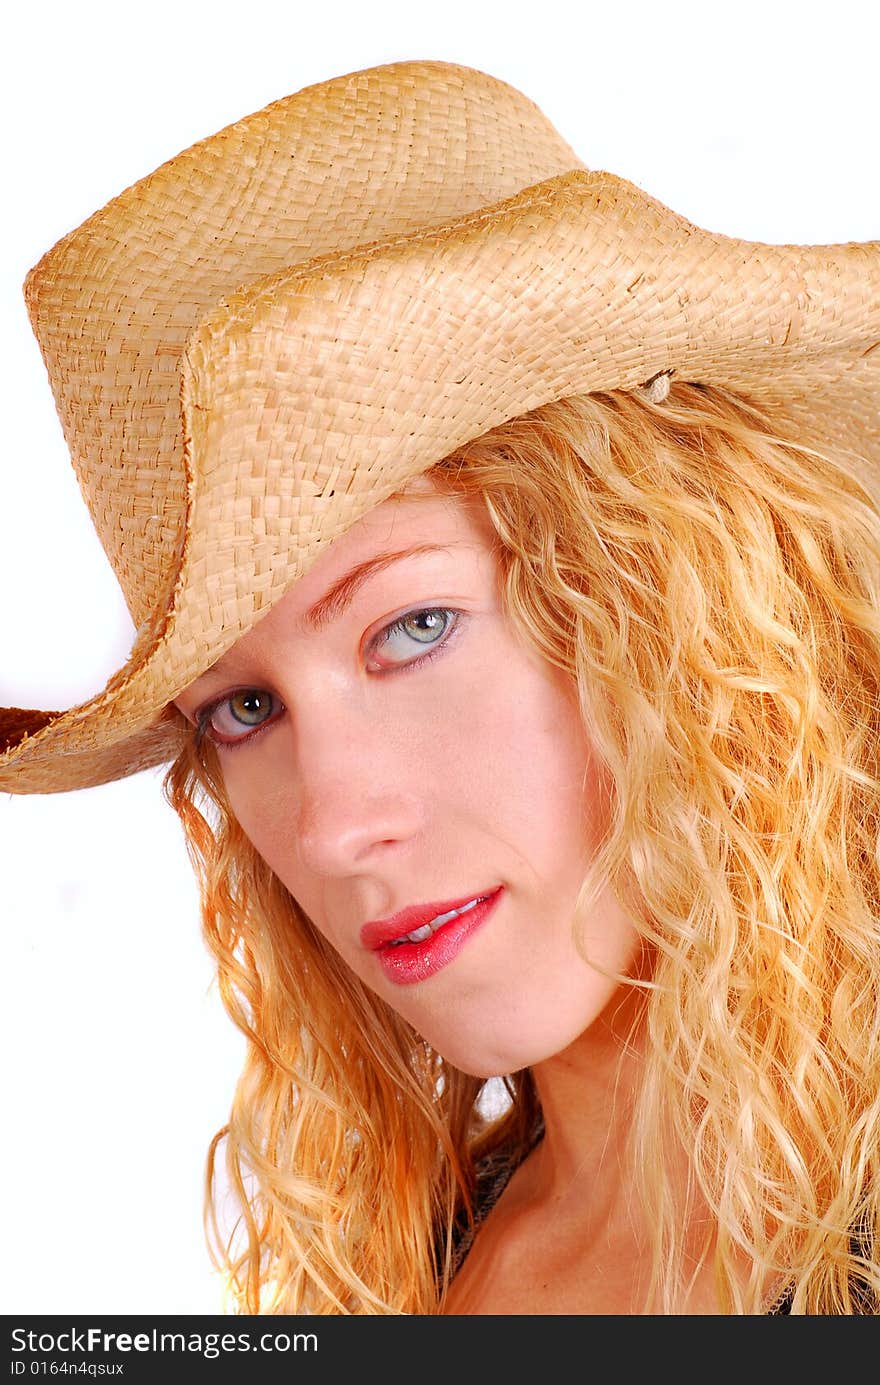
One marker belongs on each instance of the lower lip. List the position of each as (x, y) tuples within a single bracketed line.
[(406, 963)]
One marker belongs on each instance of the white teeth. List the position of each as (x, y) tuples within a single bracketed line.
[(420, 934)]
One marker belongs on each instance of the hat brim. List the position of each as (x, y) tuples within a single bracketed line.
[(315, 394)]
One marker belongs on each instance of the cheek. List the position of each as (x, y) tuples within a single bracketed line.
[(262, 806), (527, 756)]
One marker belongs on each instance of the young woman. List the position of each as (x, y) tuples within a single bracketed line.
[(504, 552)]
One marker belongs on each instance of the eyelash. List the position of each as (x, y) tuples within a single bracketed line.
[(203, 717)]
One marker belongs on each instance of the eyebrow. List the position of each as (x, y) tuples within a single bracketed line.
[(331, 605)]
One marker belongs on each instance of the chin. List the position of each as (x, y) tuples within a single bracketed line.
[(497, 1058), (483, 1070)]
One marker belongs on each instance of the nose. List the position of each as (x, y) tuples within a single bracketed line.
[(360, 794)]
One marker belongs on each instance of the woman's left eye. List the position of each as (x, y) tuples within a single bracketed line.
[(414, 636)]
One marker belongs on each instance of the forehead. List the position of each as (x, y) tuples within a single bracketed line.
[(420, 516)]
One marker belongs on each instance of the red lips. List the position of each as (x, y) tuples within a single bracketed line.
[(406, 963), (379, 932)]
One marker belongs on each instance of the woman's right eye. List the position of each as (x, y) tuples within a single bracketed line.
[(238, 716)]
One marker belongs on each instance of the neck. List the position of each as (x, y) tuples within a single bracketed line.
[(586, 1094), (582, 1175), (576, 1195)]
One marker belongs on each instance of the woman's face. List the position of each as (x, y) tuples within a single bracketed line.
[(396, 753)]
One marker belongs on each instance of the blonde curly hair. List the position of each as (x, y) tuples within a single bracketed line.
[(712, 585)]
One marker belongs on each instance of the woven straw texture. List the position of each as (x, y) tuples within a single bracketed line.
[(266, 337)]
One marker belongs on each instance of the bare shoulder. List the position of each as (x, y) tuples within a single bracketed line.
[(538, 1258), (527, 1259)]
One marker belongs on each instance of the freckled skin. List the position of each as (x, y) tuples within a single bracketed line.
[(384, 784)]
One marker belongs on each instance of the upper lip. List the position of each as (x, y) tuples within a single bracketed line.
[(378, 932)]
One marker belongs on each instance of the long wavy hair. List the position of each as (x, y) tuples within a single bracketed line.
[(711, 584)]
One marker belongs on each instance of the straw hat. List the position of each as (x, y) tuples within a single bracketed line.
[(270, 334)]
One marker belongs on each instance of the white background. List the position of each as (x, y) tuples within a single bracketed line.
[(759, 120)]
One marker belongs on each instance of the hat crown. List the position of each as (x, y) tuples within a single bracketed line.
[(362, 158)]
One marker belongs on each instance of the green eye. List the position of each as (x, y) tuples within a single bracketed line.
[(251, 708), (425, 626), (234, 717)]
